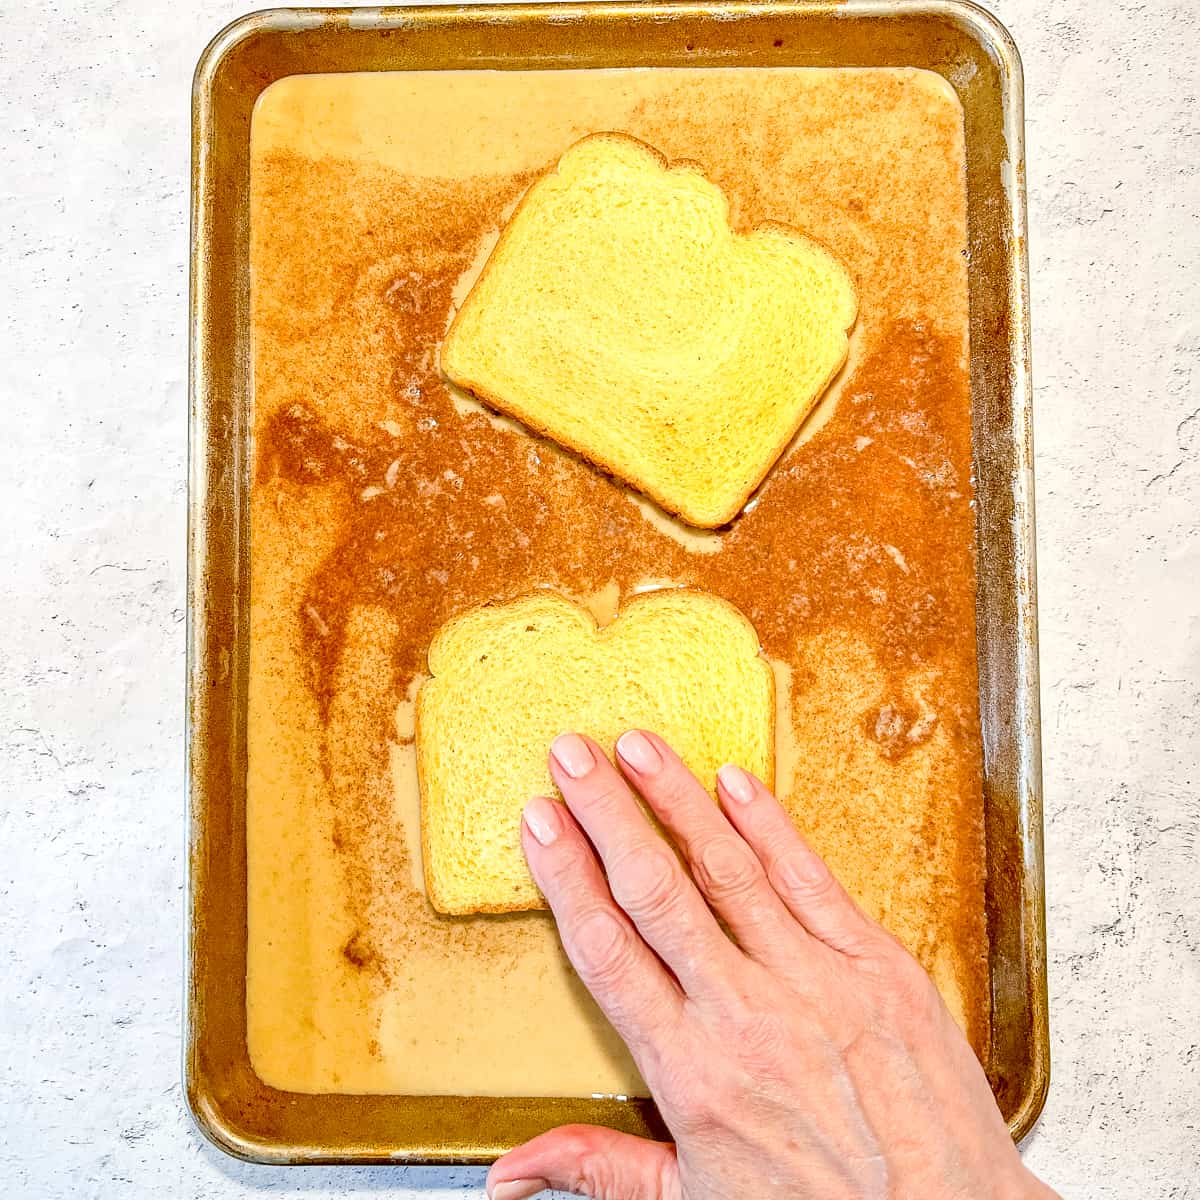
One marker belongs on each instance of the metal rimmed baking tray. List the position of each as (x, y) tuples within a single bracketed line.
[(962, 43)]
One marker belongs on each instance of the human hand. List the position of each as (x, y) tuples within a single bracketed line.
[(813, 1057)]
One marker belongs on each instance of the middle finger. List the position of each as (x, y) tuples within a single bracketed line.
[(644, 875), (724, 867)]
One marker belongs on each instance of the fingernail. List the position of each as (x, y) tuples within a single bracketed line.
[(737, 783), (573, 754), (639, 752), (518, 1189), (541, 815)]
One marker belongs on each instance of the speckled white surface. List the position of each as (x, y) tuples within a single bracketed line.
[(93, 191)]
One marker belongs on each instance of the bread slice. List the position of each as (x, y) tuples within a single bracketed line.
[(509, 678), (621, 316)]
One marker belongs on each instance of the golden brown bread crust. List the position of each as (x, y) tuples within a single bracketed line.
[(436, 896), (648, 487)]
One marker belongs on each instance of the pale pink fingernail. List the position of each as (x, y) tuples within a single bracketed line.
[(639, 752), (518, 1189), (737, 783), (573, 754), (543, 819)]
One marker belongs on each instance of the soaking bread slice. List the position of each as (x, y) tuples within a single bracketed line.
[(621, 316), (509, 678)]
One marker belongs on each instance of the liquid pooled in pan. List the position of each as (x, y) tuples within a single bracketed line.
[(382, 505)]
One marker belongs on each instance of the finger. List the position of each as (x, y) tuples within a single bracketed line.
[(797, 873), (631, 986), (725, 869), (587, 1161), (644, 876)]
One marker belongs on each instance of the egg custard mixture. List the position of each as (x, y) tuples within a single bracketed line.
[(383, 504)]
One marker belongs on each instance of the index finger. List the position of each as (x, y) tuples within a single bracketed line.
[(631, 986), (645, 877)]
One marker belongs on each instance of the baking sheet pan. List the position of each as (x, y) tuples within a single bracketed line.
[(959, 41)]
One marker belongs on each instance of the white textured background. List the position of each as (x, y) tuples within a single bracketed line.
[(94, 137)]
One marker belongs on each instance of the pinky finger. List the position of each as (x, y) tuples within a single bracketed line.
[(796, 872)]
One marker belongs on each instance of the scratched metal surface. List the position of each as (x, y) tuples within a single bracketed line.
[(232, 1105)]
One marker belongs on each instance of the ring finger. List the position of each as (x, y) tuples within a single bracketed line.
[(726, 870)]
